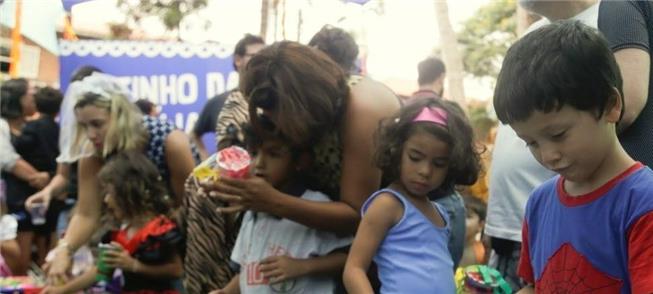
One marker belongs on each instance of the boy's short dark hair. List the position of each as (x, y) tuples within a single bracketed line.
[(11, 92), (48, 100), (338, 44), (254, 137), (429, 70), (475, 205), (241, 46), (145, 106), (564, 63)]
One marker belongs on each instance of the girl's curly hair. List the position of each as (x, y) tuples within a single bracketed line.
[(137, 184), (393, 132)]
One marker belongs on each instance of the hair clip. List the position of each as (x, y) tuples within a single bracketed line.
[(434, 115)]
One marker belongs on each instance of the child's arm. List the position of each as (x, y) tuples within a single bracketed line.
[(232, 288), (281, 268), (120, 258), (527, 290), (79, 283), (384, 212), (173, 269)]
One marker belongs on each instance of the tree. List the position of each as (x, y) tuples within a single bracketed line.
[(170, 12), (265, 13), (450, 53), (486, 37)]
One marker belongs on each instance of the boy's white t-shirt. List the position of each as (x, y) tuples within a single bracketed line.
[(262, 235)]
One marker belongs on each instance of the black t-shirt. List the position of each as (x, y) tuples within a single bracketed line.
[(38, 144), (208, 118), (629, 24)]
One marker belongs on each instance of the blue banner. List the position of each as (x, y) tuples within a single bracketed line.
[(178, 77)]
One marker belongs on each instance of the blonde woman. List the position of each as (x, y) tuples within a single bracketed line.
[(108, 123)]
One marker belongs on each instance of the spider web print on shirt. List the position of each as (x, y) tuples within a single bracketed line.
[(567, 271)]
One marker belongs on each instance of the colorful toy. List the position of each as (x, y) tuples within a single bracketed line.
[(475, 279)]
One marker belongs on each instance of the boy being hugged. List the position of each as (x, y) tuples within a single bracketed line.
[(589, 228), (277, 255)]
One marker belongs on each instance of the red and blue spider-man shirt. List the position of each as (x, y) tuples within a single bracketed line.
[(601, 242)]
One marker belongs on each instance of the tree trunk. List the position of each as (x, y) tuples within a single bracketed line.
[(300, 22), (264, 18), (283, 20), (450, 53), (275, 8)]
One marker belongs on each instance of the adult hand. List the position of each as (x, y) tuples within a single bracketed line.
[(58, 266), (118, 257), (219, 291), (242, 194), (42, 196), (39, 180), (280, 268)]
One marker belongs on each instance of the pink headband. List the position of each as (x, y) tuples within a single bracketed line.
[(435, 115)]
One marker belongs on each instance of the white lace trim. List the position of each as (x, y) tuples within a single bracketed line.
[(100, 48)]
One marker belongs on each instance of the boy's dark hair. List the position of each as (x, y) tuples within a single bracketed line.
[(83, 71), (564, 63), (464, 158), (241, 46), (146, 106), (429, 70), (48, 100), (338, 44), (11, 92), (475, 205), (137, 183), (254, 138)]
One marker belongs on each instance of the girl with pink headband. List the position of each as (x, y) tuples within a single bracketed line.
[(427, 146)]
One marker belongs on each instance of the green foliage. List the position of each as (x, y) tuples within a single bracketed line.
[(486, 37), (170, 12)]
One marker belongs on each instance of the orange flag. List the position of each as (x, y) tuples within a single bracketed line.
[(68, 32), (16, 40)]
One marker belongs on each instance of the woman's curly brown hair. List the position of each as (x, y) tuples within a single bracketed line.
[(464, 157), (137, 184), (303, 90)]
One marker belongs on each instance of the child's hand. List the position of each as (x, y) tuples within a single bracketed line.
[(53, 290), (280, 268), (39, 180), (118, 257)]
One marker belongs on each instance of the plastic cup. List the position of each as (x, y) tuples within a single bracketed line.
[(233, 162), (37, 211), (104, 272)]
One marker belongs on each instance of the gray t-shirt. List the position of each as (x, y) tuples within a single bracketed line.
[(262, 235)]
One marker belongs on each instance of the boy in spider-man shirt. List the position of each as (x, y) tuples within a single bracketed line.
[(590, 229)]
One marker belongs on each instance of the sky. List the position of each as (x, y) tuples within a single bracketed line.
[(395, 41)]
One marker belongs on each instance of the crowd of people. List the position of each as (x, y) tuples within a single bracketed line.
[(351, 188)]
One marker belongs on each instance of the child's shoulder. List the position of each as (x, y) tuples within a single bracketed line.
[(384, 199), (639, 186), (642, 179)]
